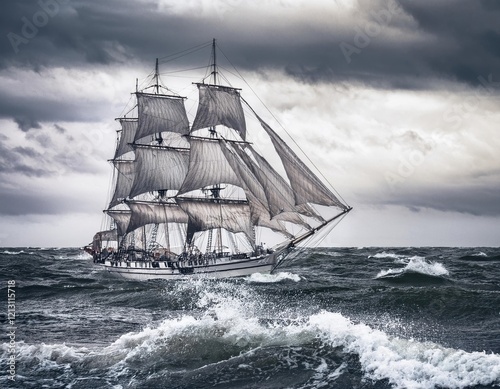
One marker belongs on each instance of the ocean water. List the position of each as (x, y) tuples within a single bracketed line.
[(332, 318)]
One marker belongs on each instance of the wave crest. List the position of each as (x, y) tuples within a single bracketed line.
[(417, 265)]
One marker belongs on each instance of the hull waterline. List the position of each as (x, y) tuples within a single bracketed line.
[(223, 268)]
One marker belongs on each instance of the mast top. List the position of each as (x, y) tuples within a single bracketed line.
[(214, 54), (157, 75)]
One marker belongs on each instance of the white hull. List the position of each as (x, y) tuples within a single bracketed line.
[(223, 268)]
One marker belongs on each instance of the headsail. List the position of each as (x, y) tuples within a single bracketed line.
[(308, 188)]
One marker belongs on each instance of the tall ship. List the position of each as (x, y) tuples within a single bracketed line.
[(198, 199)]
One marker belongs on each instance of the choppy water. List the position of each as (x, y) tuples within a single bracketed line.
[(333, 318)]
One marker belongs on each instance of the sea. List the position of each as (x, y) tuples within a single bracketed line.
[(373, 317)]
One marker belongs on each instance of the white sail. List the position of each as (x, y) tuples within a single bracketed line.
[(108, 235), (144, 213), (159, 113), (159, 168), (128, 131), (207, 166), (209, 214), (307, 187), (261, 211), (122, 219), (125, 173), (219, 105)]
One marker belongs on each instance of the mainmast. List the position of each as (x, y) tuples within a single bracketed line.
[(215, 189)]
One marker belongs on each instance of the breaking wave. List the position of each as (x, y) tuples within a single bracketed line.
[(416, 266), (231, 335)]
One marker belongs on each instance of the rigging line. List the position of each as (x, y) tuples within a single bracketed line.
[(293, 140), (323, 234), (179, 54), (125, 107), (183, 70)]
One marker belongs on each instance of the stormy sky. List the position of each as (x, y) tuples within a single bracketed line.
[(396, 101)]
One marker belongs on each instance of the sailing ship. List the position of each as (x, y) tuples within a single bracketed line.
[(192, 200)]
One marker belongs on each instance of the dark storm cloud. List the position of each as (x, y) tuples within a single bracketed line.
[(28, 111), (478, 200), (14, 160), (456, 40), (29, 203)]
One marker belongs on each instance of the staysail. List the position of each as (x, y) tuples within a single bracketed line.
[(308, 188)]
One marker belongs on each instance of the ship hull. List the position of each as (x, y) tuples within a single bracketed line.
[(222, 268)]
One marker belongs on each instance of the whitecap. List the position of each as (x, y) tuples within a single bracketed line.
[(383, 254), (419, 265), (273, 278), (12, 252)]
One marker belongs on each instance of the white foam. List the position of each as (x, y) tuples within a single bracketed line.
[(273, 278), (420, 265), (383, 254), (48, 355), (12, 252), (230, 314), (417, 264), (407, 363)]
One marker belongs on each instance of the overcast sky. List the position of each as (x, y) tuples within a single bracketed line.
[(397, 102)]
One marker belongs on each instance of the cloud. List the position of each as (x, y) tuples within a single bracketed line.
[(52, 95), (413, 48), (420, 90)]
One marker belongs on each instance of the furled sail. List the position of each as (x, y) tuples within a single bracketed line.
[(158, 113), (129, 128), (125, 173), (219, 105), (159, 168), (308, 188), (122, 219), (207, 166), (209, 214), (154, 212)]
